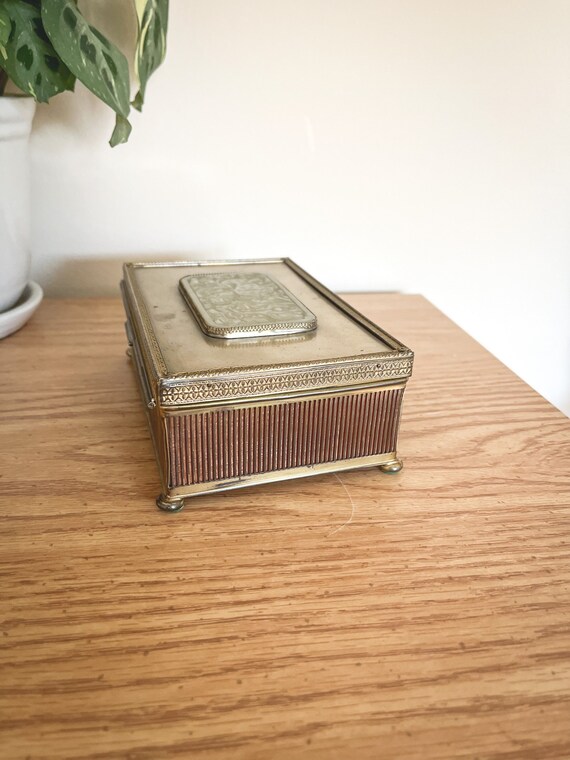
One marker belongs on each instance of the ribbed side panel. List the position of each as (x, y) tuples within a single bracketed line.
[(229, 443)]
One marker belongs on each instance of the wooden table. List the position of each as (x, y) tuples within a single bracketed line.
[(421, 615)]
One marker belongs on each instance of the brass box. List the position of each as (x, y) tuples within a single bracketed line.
[(253, 371)]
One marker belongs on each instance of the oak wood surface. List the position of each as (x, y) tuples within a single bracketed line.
[(421, 615)]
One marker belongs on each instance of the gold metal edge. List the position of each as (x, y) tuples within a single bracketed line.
[(202, 263), (142, 326), (134, 337), (184, 492), (349, 310), (163, 467), (385, 357), (291, 396), (251, 384)]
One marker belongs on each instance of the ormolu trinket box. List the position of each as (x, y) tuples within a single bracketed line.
[(252, 371)]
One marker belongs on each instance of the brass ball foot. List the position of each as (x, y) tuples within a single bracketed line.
[(169, 505), (392, 467)]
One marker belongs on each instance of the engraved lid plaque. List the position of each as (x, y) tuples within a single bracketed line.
[(244, 305)]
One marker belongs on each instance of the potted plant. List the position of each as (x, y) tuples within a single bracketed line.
[(45, 47)]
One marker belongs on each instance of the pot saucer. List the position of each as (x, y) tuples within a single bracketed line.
[(16, 317)]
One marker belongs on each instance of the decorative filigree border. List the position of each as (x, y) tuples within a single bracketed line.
[(216, 388), (255, 330)]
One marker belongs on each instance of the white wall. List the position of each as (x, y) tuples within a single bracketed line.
[(414, 145)]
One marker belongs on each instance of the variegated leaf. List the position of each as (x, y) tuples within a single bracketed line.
[(26, 53), (4, 30), (93, 59), (151, 42)]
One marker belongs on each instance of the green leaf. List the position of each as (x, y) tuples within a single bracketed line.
[(4, 27), (121, 132), (27, 55), (151, 42), (4, 34), (94, 60)]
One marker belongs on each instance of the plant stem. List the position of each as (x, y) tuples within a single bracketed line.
[(3, 81)]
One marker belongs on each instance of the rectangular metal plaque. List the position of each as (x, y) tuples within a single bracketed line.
[(244, 305)]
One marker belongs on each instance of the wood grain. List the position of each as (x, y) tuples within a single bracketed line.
[(422, 615)]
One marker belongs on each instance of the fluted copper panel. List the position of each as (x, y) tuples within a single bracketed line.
[(229, 443)]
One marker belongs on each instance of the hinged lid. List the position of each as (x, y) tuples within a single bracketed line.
[(339, 347)]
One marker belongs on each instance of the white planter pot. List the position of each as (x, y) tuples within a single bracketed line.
[(16, 114)]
